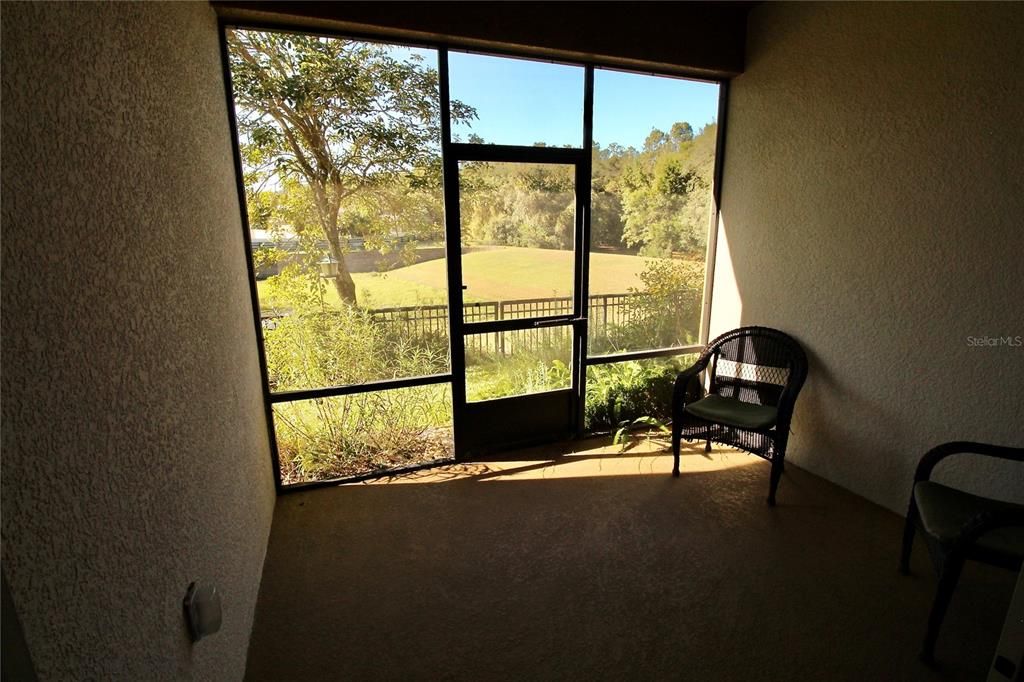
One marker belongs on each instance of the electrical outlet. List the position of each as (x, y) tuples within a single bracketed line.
[(202, 610)]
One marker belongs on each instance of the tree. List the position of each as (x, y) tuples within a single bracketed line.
[(348, 119), (616, 149), (531, 205), (605, 203), (666, 196), (655, 140), (681, 132)]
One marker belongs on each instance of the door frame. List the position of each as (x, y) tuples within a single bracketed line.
[(499, 424)]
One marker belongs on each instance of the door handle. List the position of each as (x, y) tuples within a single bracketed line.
[(559, 322)]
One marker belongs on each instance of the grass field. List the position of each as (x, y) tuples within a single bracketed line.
[(496, 274)]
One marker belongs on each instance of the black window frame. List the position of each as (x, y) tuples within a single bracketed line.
[(460, 151)]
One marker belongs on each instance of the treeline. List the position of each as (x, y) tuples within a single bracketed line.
[(654, 201)]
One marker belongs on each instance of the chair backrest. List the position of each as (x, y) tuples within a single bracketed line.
[(757, 365)]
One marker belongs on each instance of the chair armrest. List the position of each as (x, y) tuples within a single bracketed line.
[(941, 452), (688, 388), (787, 399)]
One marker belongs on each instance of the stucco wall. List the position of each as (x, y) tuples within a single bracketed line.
[(873, 207), (135, 454)]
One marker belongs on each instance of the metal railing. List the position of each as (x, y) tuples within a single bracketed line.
[(606, 311)]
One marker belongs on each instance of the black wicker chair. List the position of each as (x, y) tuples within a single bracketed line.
[(754, 377), (958, 526)]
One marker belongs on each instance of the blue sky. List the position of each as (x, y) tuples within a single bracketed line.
[(521, 101)]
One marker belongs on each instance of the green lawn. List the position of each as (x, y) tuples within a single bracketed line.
[(495, 274)]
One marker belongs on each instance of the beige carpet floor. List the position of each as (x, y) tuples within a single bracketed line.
[(595, 565)]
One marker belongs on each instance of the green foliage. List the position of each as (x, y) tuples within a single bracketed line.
[(316, 345), (492, 375), (321, 108), (266, 257), (667, 307), (619, 394), (667, 211), (531, 205), (348, 435), (672, 178), (655, 141), (665, 192), (605, 219), (656, 201), (345, 135), (663, 312), (296, 289), (343, 347), (681, 132), (625, 434)]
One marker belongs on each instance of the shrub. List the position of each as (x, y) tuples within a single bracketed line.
[(519, 374), (625, 391), (314, 346), (354, 434), (662, 313)]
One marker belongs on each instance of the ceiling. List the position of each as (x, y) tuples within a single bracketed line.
[(703, 39)]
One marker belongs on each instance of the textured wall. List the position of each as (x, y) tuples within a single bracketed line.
[(135, 454), (872, 206)]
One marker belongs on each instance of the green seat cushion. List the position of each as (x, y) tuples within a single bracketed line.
[(945, 510), (732, 412)]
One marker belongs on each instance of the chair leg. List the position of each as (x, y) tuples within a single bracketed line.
[(677, 437), (773, 483), (707, 448), (909, 528), (943, 594)]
